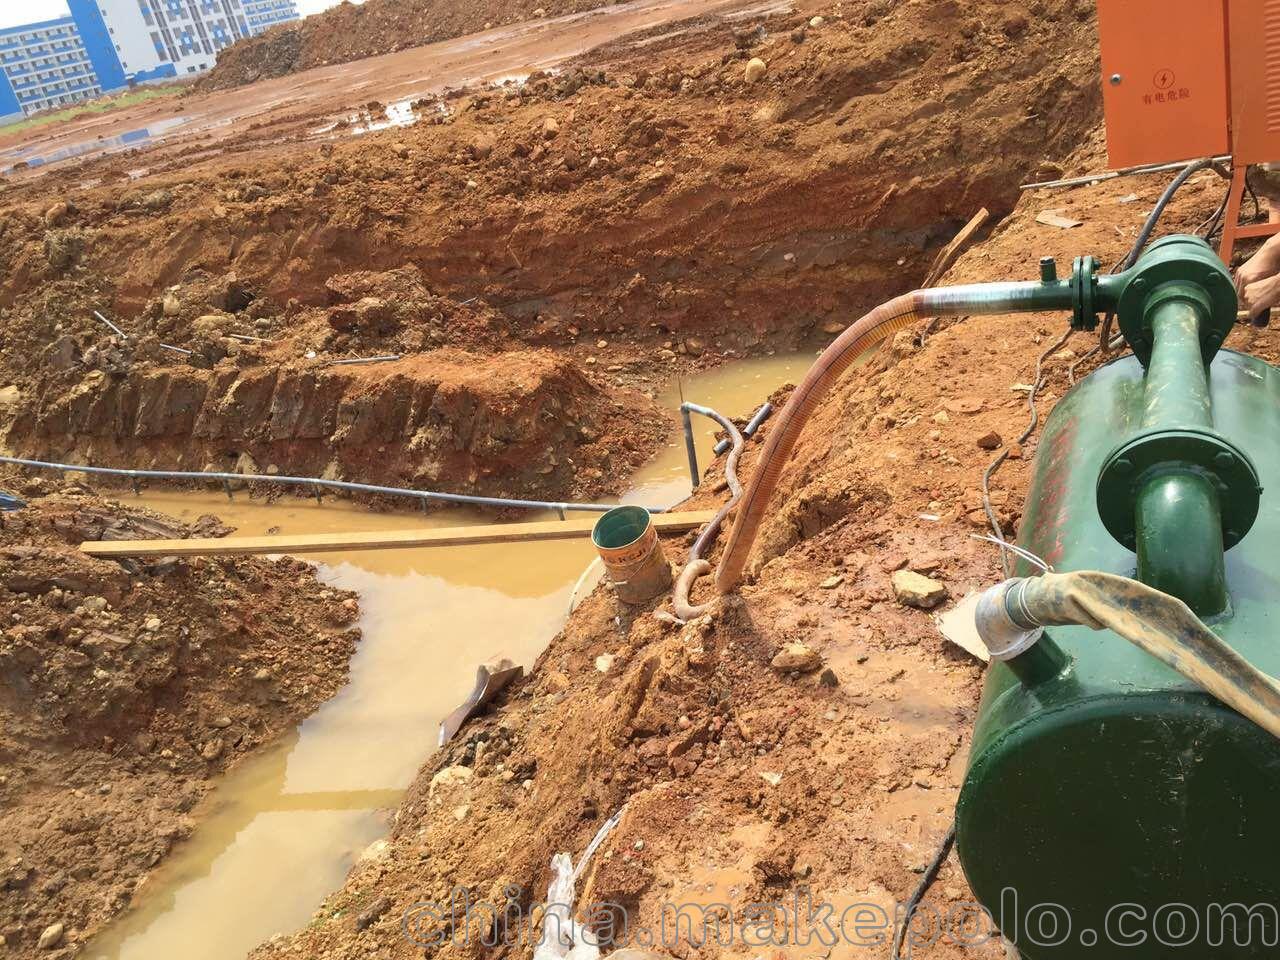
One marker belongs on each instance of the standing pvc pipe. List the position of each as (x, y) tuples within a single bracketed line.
[(690, 448)]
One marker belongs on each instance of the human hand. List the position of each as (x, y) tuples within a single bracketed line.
[(1259, 295), (1251, 272)]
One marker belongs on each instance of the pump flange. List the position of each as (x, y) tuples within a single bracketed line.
[(1132, 463), (1084, 290), (1191, 265)]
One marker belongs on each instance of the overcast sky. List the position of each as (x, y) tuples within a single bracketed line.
[(14, 12)]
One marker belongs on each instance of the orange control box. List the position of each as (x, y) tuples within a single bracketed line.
[(1253, 36), (1165, 78)]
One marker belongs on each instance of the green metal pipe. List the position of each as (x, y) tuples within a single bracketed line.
[(1180, 550), (1177, 388), (1178, 517), (1016, 296)]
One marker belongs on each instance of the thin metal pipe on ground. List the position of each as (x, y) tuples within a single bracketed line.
[(1114, 174), (117, 330), (384, 359), (315, 483)]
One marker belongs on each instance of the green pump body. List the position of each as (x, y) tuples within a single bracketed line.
[(1110, 808)]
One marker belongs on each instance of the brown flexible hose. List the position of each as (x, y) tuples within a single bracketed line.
[(878, 325), (1164, 627)]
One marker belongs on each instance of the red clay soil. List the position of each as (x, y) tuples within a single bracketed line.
[(670, 210), (352, 31), (665, 215), (745, 783), (125, 691)]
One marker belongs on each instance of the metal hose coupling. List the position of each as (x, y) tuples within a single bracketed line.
[(1004, 623)]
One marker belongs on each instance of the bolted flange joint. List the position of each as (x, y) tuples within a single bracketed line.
[(1084, 293), (1175, 267), (1126, 470)]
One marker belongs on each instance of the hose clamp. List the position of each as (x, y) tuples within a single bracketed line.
[(1005, 625)]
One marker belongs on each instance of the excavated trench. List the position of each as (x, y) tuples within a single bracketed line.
[(498, 426), (294, 819), (542, 263)]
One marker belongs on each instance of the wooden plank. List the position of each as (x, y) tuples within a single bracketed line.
[(380, 540), (949, 254)]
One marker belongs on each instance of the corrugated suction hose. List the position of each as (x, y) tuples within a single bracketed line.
[(874, 328), (878, 325)]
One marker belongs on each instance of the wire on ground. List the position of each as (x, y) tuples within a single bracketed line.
[(316, 484), (930, 875)]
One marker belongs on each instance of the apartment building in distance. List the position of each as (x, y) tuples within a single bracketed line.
[(44, 65), (107, 45), (264, 14)]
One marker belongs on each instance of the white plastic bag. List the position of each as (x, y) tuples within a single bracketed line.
[(563, 938)]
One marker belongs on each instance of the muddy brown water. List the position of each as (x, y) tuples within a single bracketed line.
[(282, 830)]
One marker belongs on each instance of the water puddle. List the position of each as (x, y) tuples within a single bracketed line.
[(282, 830), (401, 113), (124, 141), (766, 9)]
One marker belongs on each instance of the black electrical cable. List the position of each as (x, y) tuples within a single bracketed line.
[(1210, 226), (1257, 204), (930, 875), (1144, 235)]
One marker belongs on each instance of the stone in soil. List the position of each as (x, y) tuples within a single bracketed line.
[(796, 658), (915, 590)]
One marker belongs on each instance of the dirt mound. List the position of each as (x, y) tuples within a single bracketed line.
[(667, 199), (515, 425), (675, 196), (355, 31), (124, 689)]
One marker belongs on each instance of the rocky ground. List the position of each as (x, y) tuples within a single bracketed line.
[(125, 690)]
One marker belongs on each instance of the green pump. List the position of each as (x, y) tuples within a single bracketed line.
[(1112, 808)]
